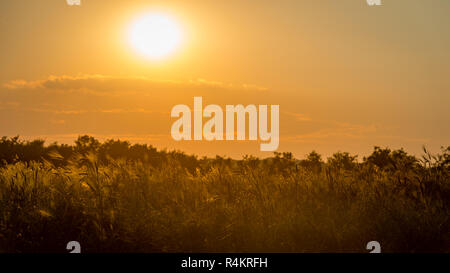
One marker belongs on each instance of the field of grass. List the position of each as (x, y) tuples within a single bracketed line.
[(117, 197)]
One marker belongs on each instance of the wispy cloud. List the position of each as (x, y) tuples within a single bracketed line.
[(298, 116), (110, 83), (334, 131), (81, 111)]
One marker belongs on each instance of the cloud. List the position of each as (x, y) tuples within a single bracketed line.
[(110, 83), (59, 121), (59, 108), (299, 116), (334, 131), (102, 94), (82, 111), (106, 105)]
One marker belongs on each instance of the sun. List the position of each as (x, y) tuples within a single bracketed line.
[(155, 35)]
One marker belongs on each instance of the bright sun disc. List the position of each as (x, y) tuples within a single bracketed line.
[(155, 35)]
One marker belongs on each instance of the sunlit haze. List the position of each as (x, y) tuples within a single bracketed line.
[(347, 76)]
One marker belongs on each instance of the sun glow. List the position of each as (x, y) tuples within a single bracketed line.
[(155, 35)]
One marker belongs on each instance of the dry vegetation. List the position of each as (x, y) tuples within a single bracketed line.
[(117, 197)]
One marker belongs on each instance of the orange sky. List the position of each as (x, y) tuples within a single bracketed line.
[(347, 76)]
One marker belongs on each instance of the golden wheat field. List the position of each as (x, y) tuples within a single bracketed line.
[(118, 197)]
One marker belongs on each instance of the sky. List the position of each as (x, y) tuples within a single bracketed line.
[(347, 76)]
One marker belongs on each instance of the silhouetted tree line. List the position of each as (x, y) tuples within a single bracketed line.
[(16, 150)]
